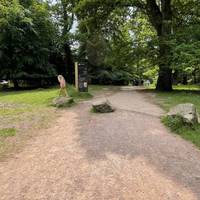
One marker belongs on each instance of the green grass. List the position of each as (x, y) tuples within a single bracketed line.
[(7, 132), (180, 87), (188, 132), (16, 102), (19, 102), (187, 87), (170, 99), (40, 96), (181, 95), (37, 97)]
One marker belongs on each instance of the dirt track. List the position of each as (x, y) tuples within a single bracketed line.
[(123, 155)]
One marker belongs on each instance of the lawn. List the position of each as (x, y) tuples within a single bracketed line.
[(23, 112), (39, 97), (181, 94)]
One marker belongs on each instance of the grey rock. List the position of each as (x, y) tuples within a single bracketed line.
[(102, 106), (63, 101), (187, 111)]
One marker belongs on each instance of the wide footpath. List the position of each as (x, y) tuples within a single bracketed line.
[(123, 155)]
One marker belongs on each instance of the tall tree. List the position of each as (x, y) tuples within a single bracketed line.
[(26, 40), (64, 14), (160, 15)]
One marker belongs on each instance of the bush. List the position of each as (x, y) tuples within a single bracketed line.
[(175, 123)]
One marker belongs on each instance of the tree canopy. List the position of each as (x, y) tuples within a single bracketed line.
[(121, 41)]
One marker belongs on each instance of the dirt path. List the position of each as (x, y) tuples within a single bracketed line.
[(124, 155)]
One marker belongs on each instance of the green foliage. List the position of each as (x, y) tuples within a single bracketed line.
[(151, 73), (117, 51), (119, 40), (134, 32), (26, 40), (174, 123)]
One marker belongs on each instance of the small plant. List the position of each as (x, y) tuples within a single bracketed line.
[(175, 123), (7, 132)]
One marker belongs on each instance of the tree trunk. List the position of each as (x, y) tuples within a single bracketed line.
[(184, 81), (70, 70), (164, 82), (175, 77), (67, 24), (15, 83), (161, 18)]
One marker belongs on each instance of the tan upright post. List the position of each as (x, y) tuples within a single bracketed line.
[(76, 75)]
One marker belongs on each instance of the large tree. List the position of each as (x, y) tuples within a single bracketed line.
[(63, 14), (26, 40), (162, 15)]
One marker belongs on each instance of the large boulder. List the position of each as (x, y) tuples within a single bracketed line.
[(63, 101), (187, 112), (102, 106)]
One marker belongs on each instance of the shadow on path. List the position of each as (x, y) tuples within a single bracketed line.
[(131, 135)]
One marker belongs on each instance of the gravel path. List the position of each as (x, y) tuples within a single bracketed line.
[(123, 155)]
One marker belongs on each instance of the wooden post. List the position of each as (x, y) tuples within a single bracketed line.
[(76, 76)]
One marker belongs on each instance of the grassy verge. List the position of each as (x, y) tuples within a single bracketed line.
[(40, 97), (23, 112), (188, 132), (181, 95)]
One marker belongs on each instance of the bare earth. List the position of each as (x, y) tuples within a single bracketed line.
[(123, 155)]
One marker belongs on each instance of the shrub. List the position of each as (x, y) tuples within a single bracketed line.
[(175, 123)]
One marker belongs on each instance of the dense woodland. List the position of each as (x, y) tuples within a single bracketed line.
[(121, 41)]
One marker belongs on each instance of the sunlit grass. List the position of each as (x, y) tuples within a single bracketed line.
[(170, 99), (180, 87), (31, 97), (182, 95), (40, 97), (187, 87)]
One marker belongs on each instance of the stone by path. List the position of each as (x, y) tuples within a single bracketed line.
[(125, 155)]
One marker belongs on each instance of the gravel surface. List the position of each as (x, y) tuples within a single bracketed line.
[(123, 155)]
